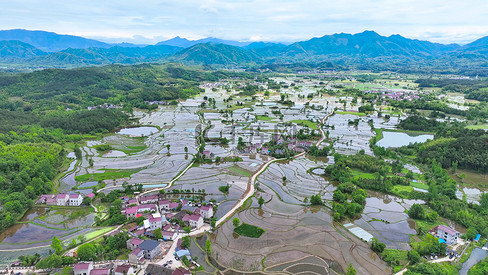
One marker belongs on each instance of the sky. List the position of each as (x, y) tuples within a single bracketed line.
[(151, 21)]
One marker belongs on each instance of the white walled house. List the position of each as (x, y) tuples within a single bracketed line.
[(62, 199), (206, 211), (196, 221), (83, 268), (75, 199), (447, 234)]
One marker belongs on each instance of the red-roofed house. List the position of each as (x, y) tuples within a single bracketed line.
[(75, 199), (147, 207), (130, 212), (136, 256), (164, 205), (181, 271), (100, 271), (149, 199), (133, 243), (61, 199), (124, 269), (83, 268), (91, 195), (196, 221), (43, 198), (169, 236), (448, 234), (206, 211)]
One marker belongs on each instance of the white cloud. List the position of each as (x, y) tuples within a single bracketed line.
[(146, 21)]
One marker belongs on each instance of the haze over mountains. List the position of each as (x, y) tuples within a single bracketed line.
[(47, 49)]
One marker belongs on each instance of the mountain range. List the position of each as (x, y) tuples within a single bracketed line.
[(47, 49)]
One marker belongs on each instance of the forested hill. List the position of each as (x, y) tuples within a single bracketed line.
[(44, 113), (92, 86), (366, 50)]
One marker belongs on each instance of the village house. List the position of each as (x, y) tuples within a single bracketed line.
[(207, 154), (100, 271), (196, 221), (169, 236), (164, 205), (83, 268), (206, 211), (43, 198), (136, 256), (62, 199), (133, 243), (151, 248), (447, 234), (75, 199), (124, 269), (155, 221), (181, 271), (149, 199)]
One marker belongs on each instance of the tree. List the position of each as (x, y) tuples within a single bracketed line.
[(236, 222), (316, 200), (168, 147), (283, 178), (260, 202), (157, 234), (471, 233), (417, 212), (377, 246), (86, 252), (86, 201), (208, 247), (185, 242), (186, 150), (56, 245), (413, 256), (187, 229), (350, 270)]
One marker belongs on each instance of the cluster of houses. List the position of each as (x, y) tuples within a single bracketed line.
[(87, 268), (396, 95), (165, 215), (104, 106), (156, 102), (63, 199)]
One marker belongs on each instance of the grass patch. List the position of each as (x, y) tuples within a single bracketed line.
[(94, 234), (359, 174), (249, 230), (401, 190), (472, 179), (395, 258), (239, 171), (133, 149), (467, 253), (477, 127), (379, 134), (419, 185), (309, 124), (108, 174), (350, 113), (264, 118)]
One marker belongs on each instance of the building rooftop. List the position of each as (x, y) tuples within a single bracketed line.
[(447, 229), (82, 266), (149, 245)]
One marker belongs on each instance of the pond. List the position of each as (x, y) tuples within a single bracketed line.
[(399, 139), (138, 131)]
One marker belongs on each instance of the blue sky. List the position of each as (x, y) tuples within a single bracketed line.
[(150, 21)]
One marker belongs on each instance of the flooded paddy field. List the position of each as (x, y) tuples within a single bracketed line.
[(384, 217), (350, 139), (292, 232), (299, 183)]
